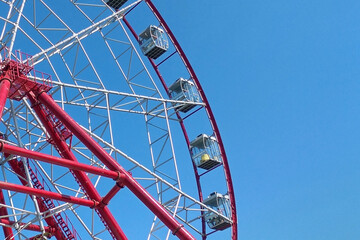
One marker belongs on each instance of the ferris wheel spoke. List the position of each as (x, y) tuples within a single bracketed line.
[(83, 6), (6, 20), (25, 167), (188, 213), (120, 101), (16, 27), (72, 208), (77, 37), (111, 37), (157, 177), (19, 126), (20, 214), (57, 184)]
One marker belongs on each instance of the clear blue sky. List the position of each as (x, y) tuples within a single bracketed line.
[(283, 80)]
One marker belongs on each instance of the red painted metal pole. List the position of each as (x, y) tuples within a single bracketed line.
[(113, 191), (103, 156), (4, 91), (9, 149), (83, 179), (4, 213), (18, 168), (30, 227), (47, 194), (5, 84)]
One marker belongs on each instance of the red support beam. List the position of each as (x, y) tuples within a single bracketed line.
[(17, 167), (47, 194), (4, 214), (84, 181), (4, 91), (10, 149), (119, 177), (30, 227), (21, 175), (113, 191), (103, 156)]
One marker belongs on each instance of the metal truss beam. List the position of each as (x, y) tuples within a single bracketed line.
[(81, 177), (30, 227), (4, 90), (47, 194), (76, 37), (6, 148), (103, 156)]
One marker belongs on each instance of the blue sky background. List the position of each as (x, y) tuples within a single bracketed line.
[(282, 78)]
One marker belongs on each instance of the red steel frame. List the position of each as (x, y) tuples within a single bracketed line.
[(109, 162), (40, 101), (115, 171), (16, 167), (47, 194), (3, 212), (208, 110), (83, 180), (30, 227), (4, 91), (10, 149)]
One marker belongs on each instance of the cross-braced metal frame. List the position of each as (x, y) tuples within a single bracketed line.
[(96, 119)]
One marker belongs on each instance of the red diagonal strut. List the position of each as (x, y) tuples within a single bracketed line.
[(30, 227), (103, 156), (51, 115), (10, 149), (47, 194), (4, 91), (104, 213), (18, 168), (4, 216)]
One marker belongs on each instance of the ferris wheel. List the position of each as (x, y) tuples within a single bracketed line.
[(106, 132)]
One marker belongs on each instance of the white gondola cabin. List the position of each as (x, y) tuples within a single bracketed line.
[(116, 4), (153, 42), (221, 204), (184, 90), (205, 152)]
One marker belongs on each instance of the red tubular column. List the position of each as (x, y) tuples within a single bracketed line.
[(83, 178), (113, 191), (16, 167), (30, 227), (3, 212), (4, 91), (103, 156), (9, 149), (47, 194)]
